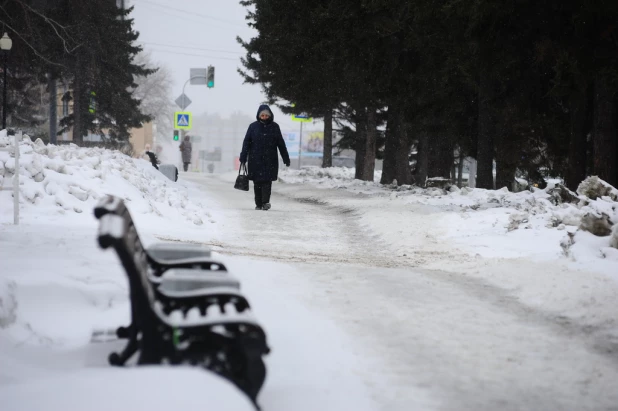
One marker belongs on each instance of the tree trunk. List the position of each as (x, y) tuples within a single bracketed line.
[(370, 144), (440, 156), (505, 173), (485, 150), (576, 171), (361, 141), (605, 137), (507, 145), (77, 104), (327, 155), (460, 169), (396, 164), (53, 109), (390, 148), (366, 146), (422, 159)]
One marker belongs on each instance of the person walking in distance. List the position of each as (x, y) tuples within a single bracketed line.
[(259, 149), (185, 149)]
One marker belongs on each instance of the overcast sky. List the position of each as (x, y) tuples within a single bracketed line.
[(185, 34)]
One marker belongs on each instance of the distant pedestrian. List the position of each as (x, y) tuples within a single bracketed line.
[(185, 149), (152, 157), (259, 148)]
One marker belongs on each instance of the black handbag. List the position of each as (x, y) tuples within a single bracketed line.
[(242, 181)]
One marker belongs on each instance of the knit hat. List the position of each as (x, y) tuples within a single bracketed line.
[(267, 112)]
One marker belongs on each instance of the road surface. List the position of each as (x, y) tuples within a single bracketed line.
[(435, 340)]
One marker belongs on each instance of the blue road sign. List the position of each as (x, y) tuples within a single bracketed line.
[(182, 120)]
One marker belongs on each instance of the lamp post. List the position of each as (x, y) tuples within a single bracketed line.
[(5, 45)]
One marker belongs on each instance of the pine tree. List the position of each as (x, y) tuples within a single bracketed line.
[(92, 44), (103, 71), (293, 59)]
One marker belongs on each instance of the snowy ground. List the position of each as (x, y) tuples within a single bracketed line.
[(373, 297)]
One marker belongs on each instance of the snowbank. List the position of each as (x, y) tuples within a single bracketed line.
[(143, 388), (494, 218), (70, 179)]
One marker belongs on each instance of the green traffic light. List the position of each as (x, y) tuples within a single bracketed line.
[(210, 77), (176, 137)]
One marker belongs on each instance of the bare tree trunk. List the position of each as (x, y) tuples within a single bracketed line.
[(507, 145), (472, 173), (361, 140), (440, 154), (422, 159), (390, 148), (576, 171), (505, 174), (370, 144), (366, 146), (327, 155), (605, 151), (53, 109), (460, 169), (485, 151), (396, 164), (77, 104)]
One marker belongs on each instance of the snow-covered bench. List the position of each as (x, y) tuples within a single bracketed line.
[(161, 257), (185, 307)]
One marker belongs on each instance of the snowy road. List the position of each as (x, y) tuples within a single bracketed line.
[(421, 339)]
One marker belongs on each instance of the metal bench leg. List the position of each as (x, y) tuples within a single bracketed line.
[(119, 359)]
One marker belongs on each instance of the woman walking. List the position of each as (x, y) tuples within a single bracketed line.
[(259, 149)]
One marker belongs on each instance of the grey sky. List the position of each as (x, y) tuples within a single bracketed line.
[(184, 34)]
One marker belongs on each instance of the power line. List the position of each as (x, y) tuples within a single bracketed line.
[(191, 13), (196, 55), (190, 47)]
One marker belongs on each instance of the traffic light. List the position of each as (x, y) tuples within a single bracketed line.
[(176, 135), (210, 77), (92, 106)]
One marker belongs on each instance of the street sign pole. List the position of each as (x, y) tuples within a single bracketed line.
[(300, 145), (183, 120), (182, 138)]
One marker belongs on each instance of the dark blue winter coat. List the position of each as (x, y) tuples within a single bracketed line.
[(259, 149)]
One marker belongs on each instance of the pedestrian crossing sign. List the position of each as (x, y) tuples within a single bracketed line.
[(182, 120)]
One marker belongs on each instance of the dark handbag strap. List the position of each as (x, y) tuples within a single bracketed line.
[(243, 165)]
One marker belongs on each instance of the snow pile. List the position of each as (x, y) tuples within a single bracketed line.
[(70, 179), (599, 220), (582, 226), (332, 177), (143, 388)]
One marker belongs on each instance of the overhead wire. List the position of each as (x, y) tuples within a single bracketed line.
[(196, 55), (192, 13), (189, 47)]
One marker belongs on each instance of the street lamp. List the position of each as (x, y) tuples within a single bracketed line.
[(5, 45)]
